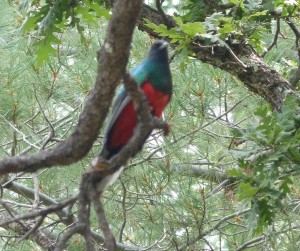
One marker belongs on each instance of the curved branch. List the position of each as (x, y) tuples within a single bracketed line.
[(114, 52), (161, 11)]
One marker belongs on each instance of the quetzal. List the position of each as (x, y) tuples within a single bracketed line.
[(154, 77)]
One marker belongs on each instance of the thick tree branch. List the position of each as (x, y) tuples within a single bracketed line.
[(88, 189), (112, 60)]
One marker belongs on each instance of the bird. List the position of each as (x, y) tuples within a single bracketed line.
[(154, 78)]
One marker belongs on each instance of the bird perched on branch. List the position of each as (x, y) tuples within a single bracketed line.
[(153, 76)]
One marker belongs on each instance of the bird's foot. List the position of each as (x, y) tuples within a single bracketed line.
[(163, 125), (99, 164), (167, 129)]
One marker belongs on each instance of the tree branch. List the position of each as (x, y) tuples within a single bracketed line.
[(258, 240), (110, 242), (114, 52), (274, 42)]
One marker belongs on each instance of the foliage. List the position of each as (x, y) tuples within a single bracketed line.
[(268, 160), (226, 22)]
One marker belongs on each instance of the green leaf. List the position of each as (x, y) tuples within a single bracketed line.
[(284, 187), (226, 29), (193, 29), (86, 14), (259, 13), (45, 49), (235, 173), (31, 22), (100, 11), (246, 191), (164, 31), (190, 28), (43, 53)]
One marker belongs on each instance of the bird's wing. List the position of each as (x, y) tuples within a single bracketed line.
[(140, 74), (120, 102)]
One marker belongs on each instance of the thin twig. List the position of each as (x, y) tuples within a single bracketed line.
[(11, 212), (36, 185), (52, 131), (274, 42), (296, 77), (33, 229), (124, 211), (297, 34), (235, 57), (218, 187), (24, 137), (161, 12), (216, 226)]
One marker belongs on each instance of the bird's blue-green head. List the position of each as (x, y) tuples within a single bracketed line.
[(159, 51), (156, 68)]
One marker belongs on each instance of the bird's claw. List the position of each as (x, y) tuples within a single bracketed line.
[(99, 164), (167, 129), (163, 125)]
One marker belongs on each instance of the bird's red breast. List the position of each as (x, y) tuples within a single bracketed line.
[(123, 128)]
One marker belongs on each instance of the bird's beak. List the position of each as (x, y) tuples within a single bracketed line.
[(164, 45)]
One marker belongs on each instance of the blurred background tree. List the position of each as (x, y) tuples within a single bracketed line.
[(226, 178)]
